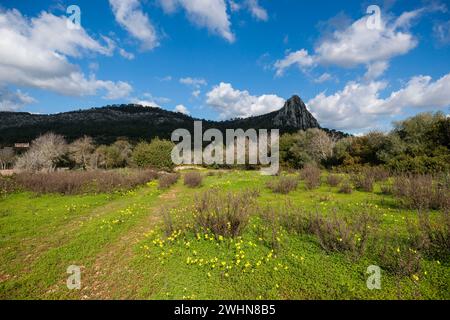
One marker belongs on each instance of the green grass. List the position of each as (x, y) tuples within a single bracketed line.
[(118, 241)]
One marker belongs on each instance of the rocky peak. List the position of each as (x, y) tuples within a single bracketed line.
[(295, 114)]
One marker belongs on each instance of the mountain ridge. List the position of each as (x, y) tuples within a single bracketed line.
[(106, 124)]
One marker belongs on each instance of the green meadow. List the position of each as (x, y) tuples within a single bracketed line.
[(145, 244)]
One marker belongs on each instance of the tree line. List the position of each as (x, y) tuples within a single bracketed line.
[(420, 144)]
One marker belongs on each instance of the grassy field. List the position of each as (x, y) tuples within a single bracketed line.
[(121, 243)]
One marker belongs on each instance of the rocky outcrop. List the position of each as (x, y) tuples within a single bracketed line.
[(295, 115)]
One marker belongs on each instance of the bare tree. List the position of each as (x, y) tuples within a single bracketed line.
[(81, 151), (7, 157), (44, 154)]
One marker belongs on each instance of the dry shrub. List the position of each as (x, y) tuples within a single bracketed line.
[(398, 258), (377, 173), (78, 182), (295, 219), (7, 185), (346, 187), (432, 237), (223, 214), (342, 234), (421, 192), (363, 181), (333, 180), (193, 179), (283, 185), (311, 174), (166, 180)]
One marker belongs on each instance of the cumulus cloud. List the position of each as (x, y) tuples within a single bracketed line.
[(13, 100), (357, 45), (230, 102), (129, 15), (182, 109), (34, 52), (358, 105), (211, 14)]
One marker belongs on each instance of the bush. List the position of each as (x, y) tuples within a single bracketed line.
[(431, 237), (283, 185), (346, 187), (167, 179), (363, 181), (193, 179), (223, 214), (398, 258), (7, 185), (386, 189), (295, 220), (344, 235), (421, 192), (78, 182), (156, 154), (311, 174), (333, 180)]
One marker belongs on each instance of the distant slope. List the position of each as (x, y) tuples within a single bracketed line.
[(135, 122)]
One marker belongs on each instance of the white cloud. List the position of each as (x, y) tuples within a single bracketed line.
[(256, 10), (182, 109), (442, 32), (343, 109), (422, 92), (34, 53), (323, 78), (235, 103), (234, 6), (194, 82), (196, 93), (300, 58), (146, 103), (211, 14), (357, 45), (129, 15), (127, 55), (359, 106), (376, 69), (13, 101)]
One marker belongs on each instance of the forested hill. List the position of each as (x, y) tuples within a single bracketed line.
[(136, 122)]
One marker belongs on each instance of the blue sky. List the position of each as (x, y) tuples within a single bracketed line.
[(219, 59)]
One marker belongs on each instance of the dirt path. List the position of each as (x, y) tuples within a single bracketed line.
[(36, 246), (108, 276)]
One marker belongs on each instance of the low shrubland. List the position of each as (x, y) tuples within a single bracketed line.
[(422, 192), (78, 182)]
